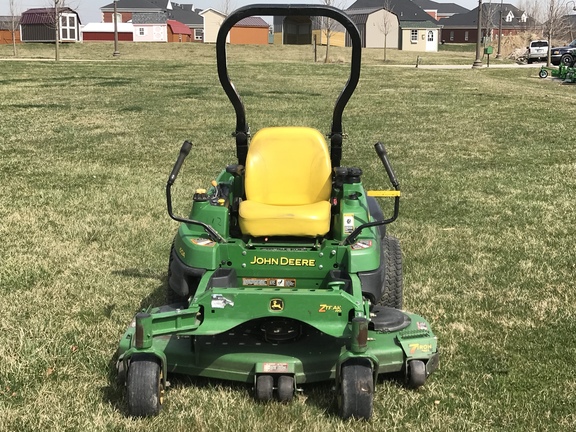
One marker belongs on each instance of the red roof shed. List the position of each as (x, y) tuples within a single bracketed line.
[(178, 32)]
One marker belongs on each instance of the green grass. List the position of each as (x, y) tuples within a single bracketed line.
[(488, 172)]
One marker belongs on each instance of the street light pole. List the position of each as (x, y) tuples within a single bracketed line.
[(499, 31), (116, 53), (478, 62)]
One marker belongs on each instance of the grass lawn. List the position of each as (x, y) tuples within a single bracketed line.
[(488, 172)]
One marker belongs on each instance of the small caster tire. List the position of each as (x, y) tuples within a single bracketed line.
[(264, 388), (144, 386), (285, 388), (356, 396), (416, 374), (543, 74)]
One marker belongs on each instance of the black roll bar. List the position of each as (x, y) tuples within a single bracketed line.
[(242, 130)]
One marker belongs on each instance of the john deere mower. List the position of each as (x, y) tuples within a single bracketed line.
[(283, 273)]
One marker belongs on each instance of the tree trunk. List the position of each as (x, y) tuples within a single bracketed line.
[(327, 46), (385, 47)]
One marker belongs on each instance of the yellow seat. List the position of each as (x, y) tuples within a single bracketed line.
[(287, 183)]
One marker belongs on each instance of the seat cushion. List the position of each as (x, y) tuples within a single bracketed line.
[(309, 220), (288, 183)]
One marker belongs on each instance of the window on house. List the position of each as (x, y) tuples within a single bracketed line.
[(118, 17), (414, 36), (430, 36), (141, 31), (198, 34), (466, 36), (452, 36), (509, 17)]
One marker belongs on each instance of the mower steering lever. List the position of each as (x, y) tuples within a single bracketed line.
[(183, 153), (381, 151)]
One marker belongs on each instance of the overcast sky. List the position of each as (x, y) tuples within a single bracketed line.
[(89, 10)]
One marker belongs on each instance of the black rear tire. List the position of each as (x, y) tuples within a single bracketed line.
[(356, 397), (392, 291), (172, 297), (377, 214), (144, 387)]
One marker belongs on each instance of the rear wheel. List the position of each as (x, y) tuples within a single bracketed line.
[(356, 397), (377, 214), (144, 386), (171, 295), (393, 280)]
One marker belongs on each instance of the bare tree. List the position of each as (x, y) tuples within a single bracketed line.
[(14, 23), (329, 26), (56, 20), (227, 6), (556, 22), (387, 22)]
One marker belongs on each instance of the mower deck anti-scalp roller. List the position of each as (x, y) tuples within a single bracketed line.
[(283, 273)]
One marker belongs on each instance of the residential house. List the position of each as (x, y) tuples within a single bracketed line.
[(7, 25), (39, 25), (406, 26), (440, 11), (251, 30), (213, 19), (463, 28), (186, 14), (126, 8), (567, 32)]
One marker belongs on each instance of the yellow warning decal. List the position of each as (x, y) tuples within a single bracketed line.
[(385, 193)]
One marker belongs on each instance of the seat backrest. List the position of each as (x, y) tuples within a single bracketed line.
[(288, 166)]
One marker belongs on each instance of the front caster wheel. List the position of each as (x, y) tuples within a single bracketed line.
[(264, 388), (144, 386), (285, 388), (416, 374), (356, 397)]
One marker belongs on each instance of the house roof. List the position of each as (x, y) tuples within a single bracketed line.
[(442, 8), (108, 28), (186, 14), (43, 15), (213, 10), (133, 4), (252, 22), (490, 15), (149, 18), (405, 10), (179, 28)]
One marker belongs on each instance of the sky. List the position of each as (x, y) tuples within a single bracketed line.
[(89, 10)]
